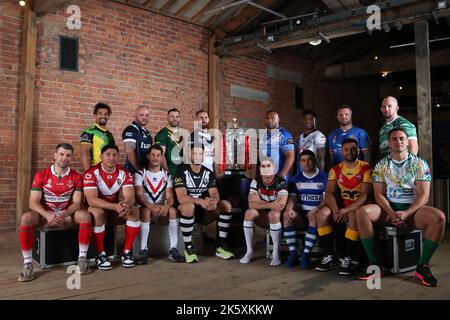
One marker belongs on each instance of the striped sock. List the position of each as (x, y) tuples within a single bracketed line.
[(310, 239), (187, 226), (223, 223), (290, 235)]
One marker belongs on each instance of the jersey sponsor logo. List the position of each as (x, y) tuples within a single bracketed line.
[(128, 134), (145, 145), (398, 193), (350, 195), (311, 197)]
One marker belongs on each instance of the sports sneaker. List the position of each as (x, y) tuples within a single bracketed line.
[(423, 273), (27, 273), (102, 262), (142, 257), (83, 266), (224, 254), (366, 275), (292, 261), (328, 263), (190, 256), (127, 259), (345, 267), (305, 262), (175, 256)]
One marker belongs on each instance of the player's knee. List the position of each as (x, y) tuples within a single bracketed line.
[(187, 209), (97, 213), (250, 214), (27, 219), (274, 216), (83, 216), (224, 206), (439, 218)]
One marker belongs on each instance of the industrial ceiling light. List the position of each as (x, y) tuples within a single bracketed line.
[(315, 42), (376, 57), (442, 5), (261, 46), (22, 3), (384, 74)]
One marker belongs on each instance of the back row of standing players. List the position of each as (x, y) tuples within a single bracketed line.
[(348, 174)]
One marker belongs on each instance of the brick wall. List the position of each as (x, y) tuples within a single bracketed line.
[(129, 57)]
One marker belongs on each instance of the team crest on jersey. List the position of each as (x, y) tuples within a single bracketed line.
[(49, 183), (88, 176), (358, 176), (119, 181), (320, 186), (69, 183), (109, 177)]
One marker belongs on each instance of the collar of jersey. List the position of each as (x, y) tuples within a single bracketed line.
[(388, 123), (171, 129), (313, 176), (399, 163), (271, 182), (52, 168), (101, 168), (100, 128)]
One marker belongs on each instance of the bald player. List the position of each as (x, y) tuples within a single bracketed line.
[(137, 140)]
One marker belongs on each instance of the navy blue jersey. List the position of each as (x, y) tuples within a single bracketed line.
[(309, 190), (334, 142), (141, 137)]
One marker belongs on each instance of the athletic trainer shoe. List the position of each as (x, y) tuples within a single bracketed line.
[(175, 256), (345, 267), (423, 273), (328, 263), (127, 259), (190, 256), (366, 275), (102, 262), (83, 266), (224, 254), (27, 274), (142, 257)]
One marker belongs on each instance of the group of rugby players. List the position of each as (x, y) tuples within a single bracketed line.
[(291, 191)]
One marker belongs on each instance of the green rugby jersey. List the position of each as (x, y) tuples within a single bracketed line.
[(173, 141), (399, 122), (400, 179)]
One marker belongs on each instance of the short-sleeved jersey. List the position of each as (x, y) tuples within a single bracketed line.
[(312, 141), (155, 184), (142, 139), (399, 122), (335, 139), (207, 140), (196, 184), (400, 179), (274, 144), (172, 141), (349, 180), (309, 190), (57, 192), (98, 138), (107, 184), (272, 191)]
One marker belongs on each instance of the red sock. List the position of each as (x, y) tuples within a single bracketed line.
[(84, 233), (26, 236), (99, 233), (132, 229)]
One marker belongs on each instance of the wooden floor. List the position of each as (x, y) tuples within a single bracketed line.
[(213, 278)]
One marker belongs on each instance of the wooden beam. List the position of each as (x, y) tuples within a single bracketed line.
[(423, 82), (406, 14), (391, 88), (368, 66), (43, 7), (213, 85), (25, 132), (185, 7)]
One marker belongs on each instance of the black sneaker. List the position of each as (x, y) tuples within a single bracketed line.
[(328, 263), (102, 262), (127, 260), (142, 257), (423, 273), (346, 267), (366, 275), (175, 256)]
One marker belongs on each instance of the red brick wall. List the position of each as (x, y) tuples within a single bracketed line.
[(10, 55), (129, 57)]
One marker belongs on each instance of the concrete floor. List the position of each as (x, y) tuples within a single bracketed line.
[(213, 278)]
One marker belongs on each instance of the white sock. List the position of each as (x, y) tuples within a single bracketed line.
[(275, 234), (145, 231), (27, 256), (83, 250), (249, 232), (173, 232)]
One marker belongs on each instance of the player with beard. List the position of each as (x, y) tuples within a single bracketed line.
[(94, 138), (348, 188), (401, 183), (171, 140), (346, 130), (55, 202), (203, 137)]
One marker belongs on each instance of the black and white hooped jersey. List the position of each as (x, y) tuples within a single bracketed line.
[(155, 184), (196, 184), (272, 191)]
